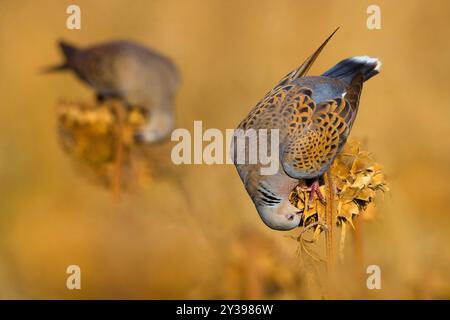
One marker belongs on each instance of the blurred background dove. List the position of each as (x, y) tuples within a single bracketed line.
[(230, 53), (136, 75)]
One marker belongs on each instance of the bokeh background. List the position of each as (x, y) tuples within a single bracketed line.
[(156, 244)]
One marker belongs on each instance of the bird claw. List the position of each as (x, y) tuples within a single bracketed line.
[(314, 189)]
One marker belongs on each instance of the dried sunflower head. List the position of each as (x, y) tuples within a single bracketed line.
[(357, 178), (85, 129), (92, 135)]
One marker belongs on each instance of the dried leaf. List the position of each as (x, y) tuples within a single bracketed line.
[(362, 180), (348, 210), (366, 194)]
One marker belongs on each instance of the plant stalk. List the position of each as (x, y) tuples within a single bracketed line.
[(330, 216), (119, 151)]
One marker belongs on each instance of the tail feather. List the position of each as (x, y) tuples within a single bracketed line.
[(306, 65), (56, 68), (347, 69), (69, 52)]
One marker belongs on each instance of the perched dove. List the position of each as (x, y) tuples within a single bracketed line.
[(314, 115), (128, 71)]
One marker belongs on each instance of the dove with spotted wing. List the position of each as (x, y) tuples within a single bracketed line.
[(314, 115)]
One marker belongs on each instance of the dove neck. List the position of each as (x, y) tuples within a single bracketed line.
[(279, 184)]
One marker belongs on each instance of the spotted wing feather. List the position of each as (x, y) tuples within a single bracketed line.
[(309, 152), (281, 109), (281, 95), (288, 109)]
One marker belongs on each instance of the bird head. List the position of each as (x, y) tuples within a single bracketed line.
[(282, 216)]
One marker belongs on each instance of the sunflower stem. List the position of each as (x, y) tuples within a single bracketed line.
[(330, 215), (119, 151)]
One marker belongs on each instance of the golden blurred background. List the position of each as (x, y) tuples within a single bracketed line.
[(208, 241)]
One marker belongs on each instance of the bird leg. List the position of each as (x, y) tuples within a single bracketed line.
[(313, 189)]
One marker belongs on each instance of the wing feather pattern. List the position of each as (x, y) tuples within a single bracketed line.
[(309, 152)]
